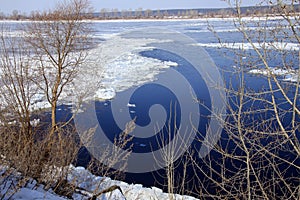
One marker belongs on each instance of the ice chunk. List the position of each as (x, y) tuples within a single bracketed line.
[(286, 74), (131, 105), (246, 46), (34, 122), (105, 94)]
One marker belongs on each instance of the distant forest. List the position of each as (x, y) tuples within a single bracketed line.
[(140, 13)]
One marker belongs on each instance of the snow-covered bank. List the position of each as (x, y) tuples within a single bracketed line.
[(87, 185), (170, 19), (178, 19)]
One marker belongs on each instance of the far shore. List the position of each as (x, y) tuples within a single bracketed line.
[(229, 18)]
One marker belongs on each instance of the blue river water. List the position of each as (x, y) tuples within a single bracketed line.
[(226, 60), (154, 94)]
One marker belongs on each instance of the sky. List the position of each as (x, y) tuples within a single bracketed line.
[(26, 6)]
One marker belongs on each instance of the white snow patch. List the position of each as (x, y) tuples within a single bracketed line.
[(131, 105), (246, 46), (26, 193), (17, 33), (291, 78), (288, 75), (131, 191), (113, 66), (105, 36), (34, 122), (87, 184), (105, 94)]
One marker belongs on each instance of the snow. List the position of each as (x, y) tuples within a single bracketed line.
[(288, 75), (131, 105), (227, 29), (246, 46), (34, 122), (13, 33), (113, 66), (221, 19), (26, 193), (132, 70), (87, 184), (291, 78), (105, 93)]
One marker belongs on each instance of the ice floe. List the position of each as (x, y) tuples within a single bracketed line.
[(131, 105), (113, 66), (285, 74), (246, 46), (116, 65)]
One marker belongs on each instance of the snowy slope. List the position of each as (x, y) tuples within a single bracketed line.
[(87, 183)]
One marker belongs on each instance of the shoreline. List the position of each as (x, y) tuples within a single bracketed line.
[(229, 18)]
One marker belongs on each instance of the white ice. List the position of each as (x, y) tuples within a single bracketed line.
[(246, 46), (131, 105), (113, 66), (287, 75)]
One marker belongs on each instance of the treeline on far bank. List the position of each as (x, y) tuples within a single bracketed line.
[(140, 13)]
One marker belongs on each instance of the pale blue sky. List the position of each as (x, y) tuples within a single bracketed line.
[(7, 6)]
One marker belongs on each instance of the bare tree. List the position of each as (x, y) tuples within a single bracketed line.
[(138, 13), (103, 13), (16, 82), (148, 13), (15, 15), (115, 13), (59, 39), (258, 155), (2, 15), (47, 60), (16, 96), (23, 142), (175, 173)]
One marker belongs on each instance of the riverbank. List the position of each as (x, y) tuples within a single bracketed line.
[(85, 186)]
